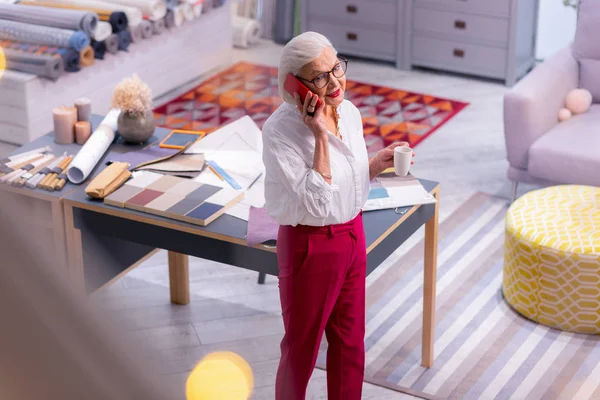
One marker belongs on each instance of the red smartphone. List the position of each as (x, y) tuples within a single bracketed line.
[(294, 85)]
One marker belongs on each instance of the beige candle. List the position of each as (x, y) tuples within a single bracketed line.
[(84, 109), (64, 124), (83, 130)]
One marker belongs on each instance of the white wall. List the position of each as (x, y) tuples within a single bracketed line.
[(556, 27)]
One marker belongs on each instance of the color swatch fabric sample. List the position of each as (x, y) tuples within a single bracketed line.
[(37, 34), (70, 57), (67, 19), (41, 65), (388, 114), (176, 198)]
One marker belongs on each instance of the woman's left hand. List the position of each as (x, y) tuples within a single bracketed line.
[(385, 156)]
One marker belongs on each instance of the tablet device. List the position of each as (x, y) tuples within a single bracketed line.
[(178, 139)]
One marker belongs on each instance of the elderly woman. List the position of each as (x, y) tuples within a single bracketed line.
[(317, 181)]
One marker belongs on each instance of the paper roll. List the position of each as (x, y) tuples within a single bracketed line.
[(64, 124), (83, 130), (246, 31), (93, 150), (84, 109)]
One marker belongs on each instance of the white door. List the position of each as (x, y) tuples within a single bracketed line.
[(556, 27)]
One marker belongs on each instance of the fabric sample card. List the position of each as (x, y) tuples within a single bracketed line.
[(223, 197), (203, 193), (164, 202), (144, 180), (144, 197), (185, 187), (121, 195), (183, 207), (164, 184), (204, 211)]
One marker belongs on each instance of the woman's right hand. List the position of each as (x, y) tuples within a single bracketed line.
[(315, 122)]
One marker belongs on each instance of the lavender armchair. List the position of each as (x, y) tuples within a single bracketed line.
[(540, 149)]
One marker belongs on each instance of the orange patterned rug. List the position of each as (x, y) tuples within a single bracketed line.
[(249, 89)]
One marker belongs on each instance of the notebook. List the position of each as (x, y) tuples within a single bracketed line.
[(391, 191)]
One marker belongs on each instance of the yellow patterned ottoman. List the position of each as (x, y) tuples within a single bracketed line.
[(552, 257)]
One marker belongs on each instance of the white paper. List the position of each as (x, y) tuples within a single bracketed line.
[(93, 150)]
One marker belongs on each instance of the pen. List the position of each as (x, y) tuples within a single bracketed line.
[(254, 181)]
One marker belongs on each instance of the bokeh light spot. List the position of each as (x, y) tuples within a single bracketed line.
[(2, 62), (223, 376)]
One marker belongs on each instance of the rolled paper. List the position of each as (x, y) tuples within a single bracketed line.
[(87, 57), (112, 44), (83, 130), (146, 29), (99, 49), (158, 27), (46, 35), (66, 19), (84, 109), (64, 124), (93, 150), (118, 21), (45, 66), (103, 31), (137, 33), (25, 154), (170, 19), (124, 40), (197, 8), (188, 11)]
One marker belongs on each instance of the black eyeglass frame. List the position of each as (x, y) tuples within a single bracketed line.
[(328, 73)]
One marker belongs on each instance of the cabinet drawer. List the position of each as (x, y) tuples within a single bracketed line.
[(460, 57), (367, 11), (357, 40), (499, 8), (461, 25)]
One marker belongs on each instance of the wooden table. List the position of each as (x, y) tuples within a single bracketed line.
[(104, 242)]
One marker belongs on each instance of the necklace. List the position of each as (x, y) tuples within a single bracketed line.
[(336, 119)]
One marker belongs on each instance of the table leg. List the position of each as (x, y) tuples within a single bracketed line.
[(429, 286), (261, 278), (179, 278)]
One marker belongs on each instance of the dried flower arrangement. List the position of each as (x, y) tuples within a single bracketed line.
[(132, 96)]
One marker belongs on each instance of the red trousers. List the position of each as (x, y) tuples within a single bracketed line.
[(322, 272)]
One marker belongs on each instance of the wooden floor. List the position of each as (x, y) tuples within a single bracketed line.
[(230, 311)]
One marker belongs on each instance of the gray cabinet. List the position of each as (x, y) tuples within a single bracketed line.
[(487, 38)]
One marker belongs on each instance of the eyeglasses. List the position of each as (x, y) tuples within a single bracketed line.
[(321, 80)]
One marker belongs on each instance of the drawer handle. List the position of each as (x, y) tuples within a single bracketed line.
[(352, 36), (351, 9), (460, 24), (459, 53)]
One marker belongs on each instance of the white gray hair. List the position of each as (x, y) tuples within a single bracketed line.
[(298, 52)]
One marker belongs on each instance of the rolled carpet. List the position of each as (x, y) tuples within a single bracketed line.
[(159, 26), (170, 19), (137, 33), (41, 65), (197, 8), (146, 29), (112, 43), (188, 11), (152, 9), (171, 3), (37, 34), (134, 15), (103, 31), (87, 56), (99, 49), (124, 40), (67, 19), (70, 57), (118, 21)]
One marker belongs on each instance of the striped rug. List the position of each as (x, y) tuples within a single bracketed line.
[(483, 349)]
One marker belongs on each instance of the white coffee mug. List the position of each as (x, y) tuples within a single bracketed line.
[(402, 160)]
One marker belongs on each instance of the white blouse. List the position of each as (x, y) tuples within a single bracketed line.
[(297, 194)]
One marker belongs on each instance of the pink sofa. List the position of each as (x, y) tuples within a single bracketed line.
[(540, 149)]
